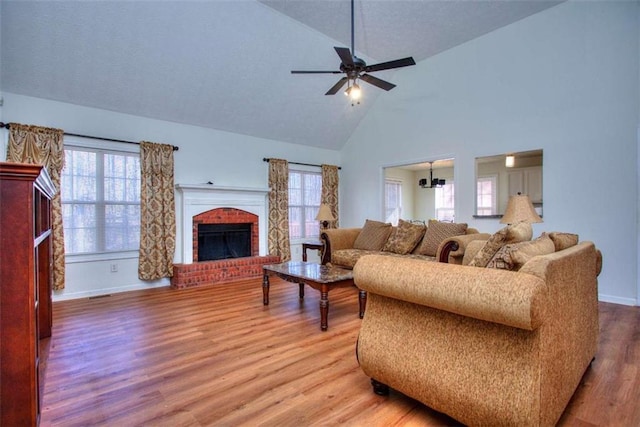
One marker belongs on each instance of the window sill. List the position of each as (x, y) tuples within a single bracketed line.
[(106, 256), (305, 240)]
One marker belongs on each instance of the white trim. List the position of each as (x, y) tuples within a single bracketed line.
[(637, 216), (617, 300), (104, 292), (103, 256)]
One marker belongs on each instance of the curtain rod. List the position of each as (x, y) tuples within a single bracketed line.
[(6, 125), (266, 159)]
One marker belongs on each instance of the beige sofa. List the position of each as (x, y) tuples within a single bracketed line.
[(483, 345), (338, 246)]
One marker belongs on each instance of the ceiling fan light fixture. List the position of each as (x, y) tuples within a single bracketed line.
[(355, 92)]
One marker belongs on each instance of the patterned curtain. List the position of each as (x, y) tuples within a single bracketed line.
[(43, 146), (329, 196), (157, 212), (279, 209)]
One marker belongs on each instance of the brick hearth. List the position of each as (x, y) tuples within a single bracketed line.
[(225, 270)]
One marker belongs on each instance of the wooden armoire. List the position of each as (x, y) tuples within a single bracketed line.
[(25, 289)]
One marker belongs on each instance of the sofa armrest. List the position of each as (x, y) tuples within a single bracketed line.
[(480, 293), (452, 250), (335, 239)]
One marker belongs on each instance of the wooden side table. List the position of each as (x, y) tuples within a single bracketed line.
[(310, 245)]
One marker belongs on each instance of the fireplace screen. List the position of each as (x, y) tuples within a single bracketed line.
[(222, 241)]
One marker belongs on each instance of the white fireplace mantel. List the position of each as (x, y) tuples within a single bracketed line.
[(197, 198)]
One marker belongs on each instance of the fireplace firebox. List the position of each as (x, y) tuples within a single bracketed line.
[(223, 241)]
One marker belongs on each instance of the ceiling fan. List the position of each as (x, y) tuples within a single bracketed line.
[(356, 69)]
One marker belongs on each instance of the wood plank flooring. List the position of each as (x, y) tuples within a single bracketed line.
[(215, 356)]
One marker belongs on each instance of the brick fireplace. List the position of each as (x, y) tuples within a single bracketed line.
[(226, 216), (209, 205)]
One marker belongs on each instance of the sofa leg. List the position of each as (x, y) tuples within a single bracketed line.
[(379, 388)]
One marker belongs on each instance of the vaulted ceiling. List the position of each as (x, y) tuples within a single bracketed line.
[(226, 64)]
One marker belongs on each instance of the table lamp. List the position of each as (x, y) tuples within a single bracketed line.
[(520, 209), (325, 215)]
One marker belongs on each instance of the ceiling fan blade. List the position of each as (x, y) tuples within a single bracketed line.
[(404, 62), (336, 87), (345, 55), (377, 82), (315, 72)]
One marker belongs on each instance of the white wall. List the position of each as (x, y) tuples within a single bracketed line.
[(565, 80), (224, 158), (3, 131), (638, 172)]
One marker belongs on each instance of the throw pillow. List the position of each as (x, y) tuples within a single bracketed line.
[(513, 256), (373, 235), (404, 238), (563, 241), (436, 233), (513, 233)]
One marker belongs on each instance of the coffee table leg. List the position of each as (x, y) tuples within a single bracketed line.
[(301, 290), (265, 289), (324, 308), (363, 302)]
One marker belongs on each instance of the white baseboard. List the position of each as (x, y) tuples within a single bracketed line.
[(617, 300), (108, 291)]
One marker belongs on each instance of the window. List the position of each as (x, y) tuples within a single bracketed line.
[(486, 193), (305, 190), (100, 193), (445, 202), (392, 201)]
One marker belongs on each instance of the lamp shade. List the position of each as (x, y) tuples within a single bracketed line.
[(324, 213), (520, 209)]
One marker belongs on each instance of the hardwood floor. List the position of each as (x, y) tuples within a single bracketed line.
[(216, 356)]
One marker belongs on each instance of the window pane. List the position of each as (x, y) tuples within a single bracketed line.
[(311, 226), (295, 189), (486, 195), (121, 178), (393, 201), (122, 227), (295, 223), (312, 189), (445, 202), (78, 179), (79, 228)]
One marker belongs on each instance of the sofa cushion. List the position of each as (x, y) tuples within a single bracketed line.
[(347, 258), (512, 233), (436, 233), (563, 241), (373, 235), (513, 256), (404, 238)]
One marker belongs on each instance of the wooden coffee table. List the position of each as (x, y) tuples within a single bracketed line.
[(320, 277)]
